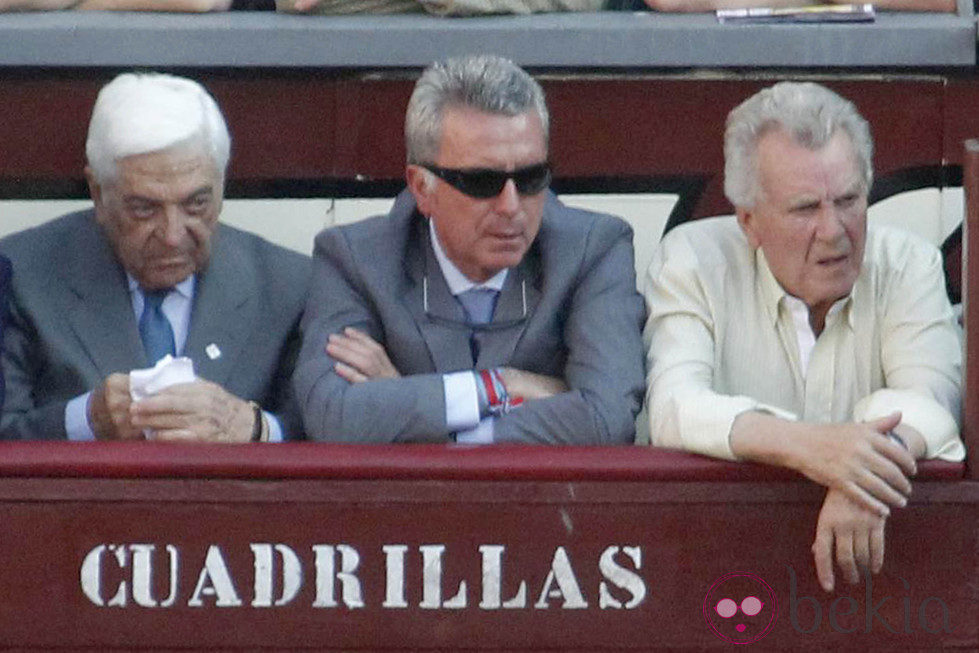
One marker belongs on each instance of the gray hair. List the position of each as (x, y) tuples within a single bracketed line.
[(811, 113), (486, 83), (142, 113)]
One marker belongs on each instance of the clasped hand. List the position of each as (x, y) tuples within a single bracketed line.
[(360, 358), (865, 472), (200, 411), (858, 460)]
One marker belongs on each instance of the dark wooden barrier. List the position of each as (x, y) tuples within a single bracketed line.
[(970, 314), (427, 548)]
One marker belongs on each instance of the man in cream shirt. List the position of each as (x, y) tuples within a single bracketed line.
[(793, 335)]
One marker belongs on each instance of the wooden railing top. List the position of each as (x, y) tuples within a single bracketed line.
[(402, 461)]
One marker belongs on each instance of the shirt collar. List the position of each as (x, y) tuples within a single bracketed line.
[(773, 293), (799, 309), (185, 288), (457, 281)]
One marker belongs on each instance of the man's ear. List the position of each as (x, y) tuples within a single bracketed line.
[(95, 190), (421, 186), (749, 225)]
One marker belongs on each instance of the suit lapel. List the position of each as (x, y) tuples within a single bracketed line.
[(223, 312), (99, 310), (447, 342)]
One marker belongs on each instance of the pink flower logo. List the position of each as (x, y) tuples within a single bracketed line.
[(741, 607)]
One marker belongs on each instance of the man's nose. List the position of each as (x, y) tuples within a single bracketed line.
[(829, 225), (508, 201), (174, 226)]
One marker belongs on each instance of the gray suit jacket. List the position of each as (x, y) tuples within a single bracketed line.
[(583, 322), (72, 323)]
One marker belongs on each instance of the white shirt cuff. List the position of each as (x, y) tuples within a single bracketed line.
[(482, 434), (702, 422), (76, 419), (275, 429), (461, 401), (935, 424)]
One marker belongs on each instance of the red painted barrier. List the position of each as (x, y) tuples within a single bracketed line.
[(336, 547)]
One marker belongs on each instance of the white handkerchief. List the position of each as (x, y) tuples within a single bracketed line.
[(167, 371)]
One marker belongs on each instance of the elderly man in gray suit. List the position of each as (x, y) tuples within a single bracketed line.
[(481, 309), (150, 272)]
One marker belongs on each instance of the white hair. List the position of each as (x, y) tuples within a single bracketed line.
[(142, 113), (811, 113)]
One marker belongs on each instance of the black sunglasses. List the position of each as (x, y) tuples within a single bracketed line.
[(483, 183)]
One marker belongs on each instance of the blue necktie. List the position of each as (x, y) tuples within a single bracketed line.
[(154, 327), (479, 304)]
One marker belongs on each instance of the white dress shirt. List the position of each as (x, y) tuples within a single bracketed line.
[(461, 394), (724, 338), (176, 307)]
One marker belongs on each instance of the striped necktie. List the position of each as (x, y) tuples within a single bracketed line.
[(479, 304)]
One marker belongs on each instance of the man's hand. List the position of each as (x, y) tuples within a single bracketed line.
[(858, 536), (195, 412), (860, 461), (303, 6), (528, 385), (359, 358), (854, 458), (108, 410)]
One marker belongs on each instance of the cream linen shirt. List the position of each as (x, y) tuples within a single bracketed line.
[(721, 340)]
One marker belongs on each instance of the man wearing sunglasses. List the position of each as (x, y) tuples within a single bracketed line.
[(480, 309)]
